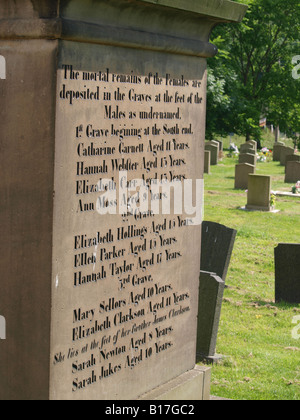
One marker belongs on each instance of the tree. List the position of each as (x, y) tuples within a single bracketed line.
[(254, 70)]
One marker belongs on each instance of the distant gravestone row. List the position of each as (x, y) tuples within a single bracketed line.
[(288, 158), (213, 154)]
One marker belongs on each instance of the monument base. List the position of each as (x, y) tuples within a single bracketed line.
[(210, 360), (261, 209), (191, 386)]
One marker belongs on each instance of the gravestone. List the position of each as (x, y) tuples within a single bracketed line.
[(292, 172), (221, 147), (246, 148), (210, 305), (284, 152), (277, 151), (207, 159), (254, 144), (287, 273), (214, 153), (217, 246), (242, 172), (248, 158), (291, 158), (259, 193), (101, 100)]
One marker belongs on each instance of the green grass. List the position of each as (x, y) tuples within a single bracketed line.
[(255, 334)]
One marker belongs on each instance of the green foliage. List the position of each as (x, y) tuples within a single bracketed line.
[(254, 71)]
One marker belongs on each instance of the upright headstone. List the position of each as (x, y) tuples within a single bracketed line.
[(101, 99), (246, 147), (291, 158), (253, 144), (292, 172), (259, 193), (207, 159), (287, 273), (214, 153), (284, 152), (217, 246), (248, 158), (242, 172), (221, 146), (277, 151)]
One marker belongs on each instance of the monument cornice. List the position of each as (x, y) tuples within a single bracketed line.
[(134, 29)]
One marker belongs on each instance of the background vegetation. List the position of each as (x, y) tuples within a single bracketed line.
[(251, 78)]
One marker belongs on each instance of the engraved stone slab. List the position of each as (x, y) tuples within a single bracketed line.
[(103, 107)]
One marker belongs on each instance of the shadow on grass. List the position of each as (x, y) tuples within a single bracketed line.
[(279, 305)]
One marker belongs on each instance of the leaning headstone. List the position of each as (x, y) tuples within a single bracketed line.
[(259, 193), (214, 153), (284, 152), (248, 158), (210, 305), (277, 151), (242, 172), (287, 273), (100, 299), (207, 159), (292, 173), (217, 246)]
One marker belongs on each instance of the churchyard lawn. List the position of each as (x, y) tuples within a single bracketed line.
[(258, 336)]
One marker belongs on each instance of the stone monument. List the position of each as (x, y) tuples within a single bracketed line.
[(102, 102), (284, 152), (213, 148), (292, 172), (277, 151), (259, 193), (248, 158), (242, 172), (207, 159), (287, 273)]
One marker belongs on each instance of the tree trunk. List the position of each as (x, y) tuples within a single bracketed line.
[(277, 134)]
